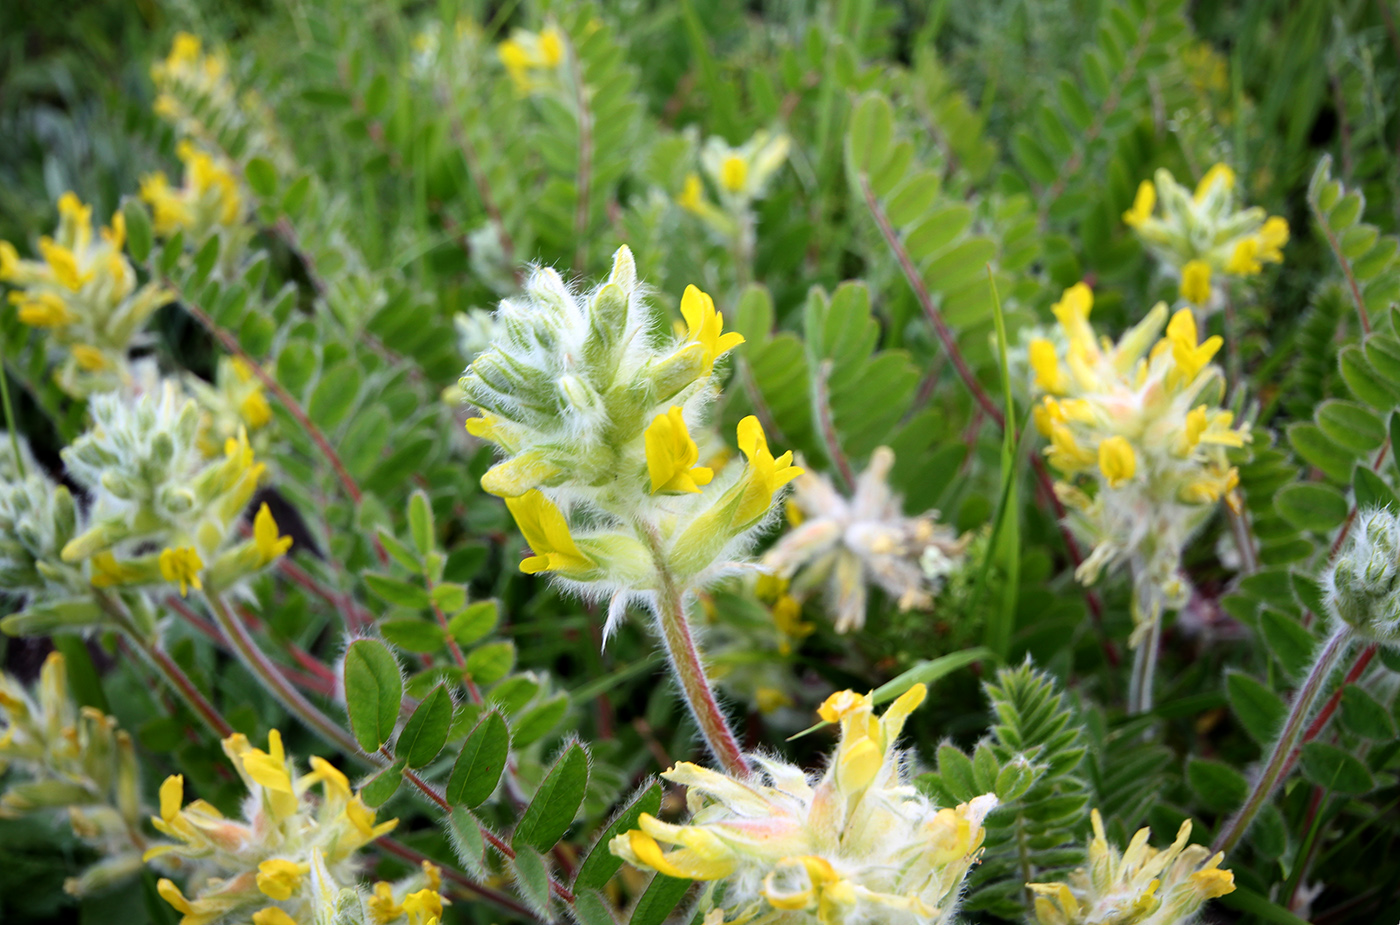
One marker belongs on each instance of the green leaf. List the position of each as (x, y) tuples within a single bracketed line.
[(957, 773), (532, 878), (420, 521), (449, 597), (204, 261), (413, 635), (663, 894), (396, 591), (540, 720), (379, 788), (1217, 785), (489, 663), (1332, 768), (482, 760), (600, 864), (1350, 425), (261, 176), (591, 909), (1315, 448), (1363, 381), (1246, 900), (871, 133), (1372, 491), (138, 229), (1259, 709), (1288, 639), (334, 395), (373, 690), (171, 253), (1365, 716), (464, 831), (556, 802), (1312, 506), (474, 623), (425, 733)]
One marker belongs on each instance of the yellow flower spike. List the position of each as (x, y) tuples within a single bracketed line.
[(671, 455), (1220, 173), (768, 474), (271, 915), (270, 544), (1245, 259), (1046, 365), (1117, 461), (172, 796), (279, 878), (1272, 237), (182, 566), (547, 532), (551, 47), (382, 906), (1195, 282), (705, 326), (733, 173), (1143, 203), (422, 906)]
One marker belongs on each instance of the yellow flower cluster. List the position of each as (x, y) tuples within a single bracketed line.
[(1136, 430), (862, 845), (82, 292), (72, 759), (235, 401), (152, 487), (844, 545), (208, 201), (1203, 234), (533, 59), (1140, 886), (291, 858), (594, 416), (739, 175)]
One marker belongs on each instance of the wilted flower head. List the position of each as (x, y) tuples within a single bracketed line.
[(593, 413), (1203, 235), (1137, 432), (292, 852), (1140, 886), (534, 60), (1363, 585), (846, 544), (72, 759), (83, 293), (859, 845), (152, 487)]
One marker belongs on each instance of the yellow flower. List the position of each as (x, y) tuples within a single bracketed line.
[(382, 906), (766, 474), (279, 878), (1046, 365), (271, 915), (692, 197), (63, 263), (1065, 453), (1189, 357), (1220, 173), (423, 906), (733, 173), (42, 310), (9, 259), (254, 409), (107, 572), (1245, 259), (90, 358), (672, 454), (551, 47), (1272, 237), (704, 326), (182, 565), (1143, 204), (1117, 461), (169, 210), (361, 817), (335, 784), (1195, 282), (547, 532), (269, 543), (172, 797), (1072, 311)]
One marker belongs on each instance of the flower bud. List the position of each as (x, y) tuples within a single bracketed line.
[(1363, 585)]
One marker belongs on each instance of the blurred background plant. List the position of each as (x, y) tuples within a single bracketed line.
[(870, 191)]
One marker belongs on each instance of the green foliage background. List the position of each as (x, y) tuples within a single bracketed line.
[(1009, 133)]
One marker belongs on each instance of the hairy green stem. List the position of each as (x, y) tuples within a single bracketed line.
[(266, 671), (1145, 670), (10, 420), (1288, 738)]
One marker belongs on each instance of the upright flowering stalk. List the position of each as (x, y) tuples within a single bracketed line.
[(209, 202), (593, 411), (1204, 238), (82, 292), (739, 176), (1139, 886), (162, 512), (292, 858), (1139, 438), (846, 544), (859, 845), (72, 759)]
